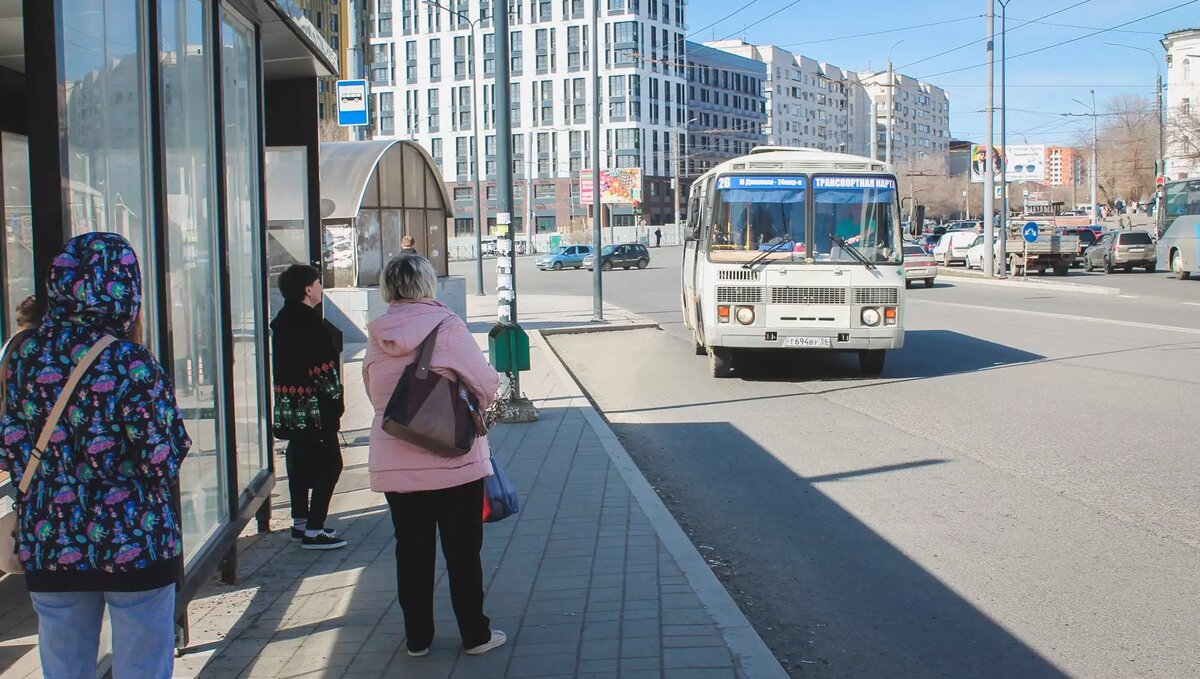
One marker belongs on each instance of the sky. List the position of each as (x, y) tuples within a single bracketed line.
[(1041, 86)]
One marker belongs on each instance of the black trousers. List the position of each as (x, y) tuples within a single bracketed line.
[(457, 513), (314, 464)]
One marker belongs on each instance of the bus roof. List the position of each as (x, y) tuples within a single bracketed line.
[(789, 159)]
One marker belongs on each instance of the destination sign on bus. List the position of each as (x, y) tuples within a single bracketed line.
[(854, 183), (759, 182)]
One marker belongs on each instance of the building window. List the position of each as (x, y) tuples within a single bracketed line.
[(462, 193), (435, 151), (489, 54), (514, 52), (546, 224), (1186, 107), (432, 108), (464, 226), (543, 191)]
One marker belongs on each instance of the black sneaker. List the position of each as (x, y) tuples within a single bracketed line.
[(322, 540), (298, 533)]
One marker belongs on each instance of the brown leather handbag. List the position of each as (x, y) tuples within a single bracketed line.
[(431, 411)]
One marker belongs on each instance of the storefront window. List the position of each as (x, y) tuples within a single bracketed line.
[(18, 227), (287, 215), (104, 61), (239, 88), (192, 334)]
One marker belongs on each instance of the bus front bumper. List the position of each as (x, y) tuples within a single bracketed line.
[(853, 339)]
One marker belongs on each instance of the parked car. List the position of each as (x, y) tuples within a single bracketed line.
[(927, 242), (1085, 235), (1122, 249), (918, 265), (626, 255), (975, 253), (964, 225), (564, 256), (952, 247), (1096, 229)]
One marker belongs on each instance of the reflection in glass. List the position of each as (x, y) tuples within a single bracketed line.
[(18, 225), (393, 232), (239, 89), (104, 63), (191, 281), (370, 248), (287, 215)]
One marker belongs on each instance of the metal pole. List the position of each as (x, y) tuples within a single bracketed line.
[(477, 101), (1096, 215), (504, 184), (597, 278), (676, 180), (529, 192), (887, 147), (989, 180), (1003, 129)]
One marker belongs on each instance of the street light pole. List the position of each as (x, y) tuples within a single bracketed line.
[(989, 179), (478, 108), (891, 87), (597, 278), (1095, 210), (1003, 129)]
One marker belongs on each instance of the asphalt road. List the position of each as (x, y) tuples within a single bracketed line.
[(1016, 497)]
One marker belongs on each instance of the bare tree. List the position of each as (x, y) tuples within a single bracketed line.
[(1127, 148), (928, 181), (1183, 134)]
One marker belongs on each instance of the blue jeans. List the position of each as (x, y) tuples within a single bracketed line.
[(143, 632)]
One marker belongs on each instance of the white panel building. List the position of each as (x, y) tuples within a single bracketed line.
[(423, 60), (921, 118), (1183, 103)]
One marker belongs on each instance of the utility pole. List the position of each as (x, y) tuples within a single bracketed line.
[(1094, 151), (1003, 129), (989, 180), (677, 180), (1160, 165), (597, 277), (891, 105), (511, 344)]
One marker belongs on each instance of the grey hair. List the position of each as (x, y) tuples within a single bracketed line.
[(408, 277)]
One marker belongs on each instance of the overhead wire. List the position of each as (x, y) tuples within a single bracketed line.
[(772, 14), (976, 42), (1066, 42), (727, 16), (890, 30)]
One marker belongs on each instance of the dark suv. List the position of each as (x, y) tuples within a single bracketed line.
[(625, 256)]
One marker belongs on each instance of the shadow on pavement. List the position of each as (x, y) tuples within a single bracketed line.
[(829, 595)]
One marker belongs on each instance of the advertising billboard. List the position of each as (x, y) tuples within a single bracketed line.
[(1026, 162), (618, 185)]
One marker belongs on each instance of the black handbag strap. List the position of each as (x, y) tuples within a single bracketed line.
[(425, 355)]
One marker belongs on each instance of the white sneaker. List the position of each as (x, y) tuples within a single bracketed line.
[(498, 639), (418, 654)]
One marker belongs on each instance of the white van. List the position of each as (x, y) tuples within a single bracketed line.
[(952, 247)]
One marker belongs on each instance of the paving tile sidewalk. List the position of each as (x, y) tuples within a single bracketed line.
[(592, 578)]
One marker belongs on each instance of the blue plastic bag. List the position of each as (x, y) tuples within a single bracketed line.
[(499, 496)]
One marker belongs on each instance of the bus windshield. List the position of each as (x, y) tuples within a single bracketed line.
[(859, 210), (752, 214)]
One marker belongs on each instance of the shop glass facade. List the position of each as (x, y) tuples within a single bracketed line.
[(18, 227)]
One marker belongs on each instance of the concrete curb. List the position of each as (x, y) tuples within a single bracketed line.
[(599, 327), (754, 659), (1032, 284)]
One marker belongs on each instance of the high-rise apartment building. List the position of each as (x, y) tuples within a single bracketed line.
[(425, 56), (809, 103), (1064, 166), (727, 109), (920, 119), (335, 20)]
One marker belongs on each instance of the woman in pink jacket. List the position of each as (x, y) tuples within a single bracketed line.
[(429, 494)]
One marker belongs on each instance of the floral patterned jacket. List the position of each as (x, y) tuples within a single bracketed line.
[(102, 512)]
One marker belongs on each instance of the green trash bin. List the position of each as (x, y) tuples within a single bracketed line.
[(555, 241), (508, 348)]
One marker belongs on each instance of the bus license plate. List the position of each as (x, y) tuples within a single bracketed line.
[(814, 342)]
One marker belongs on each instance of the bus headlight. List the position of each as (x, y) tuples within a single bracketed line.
[(723, 313), (745, 315), (889, 315), (870, 317)]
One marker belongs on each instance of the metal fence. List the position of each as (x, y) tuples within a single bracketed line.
[(463, 247)]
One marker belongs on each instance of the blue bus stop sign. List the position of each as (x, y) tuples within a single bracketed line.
[(352, 102), (1030, 232)]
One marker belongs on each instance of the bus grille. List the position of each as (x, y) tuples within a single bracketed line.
[(808, 295), (728, 294), (876, 296), (737, 275)]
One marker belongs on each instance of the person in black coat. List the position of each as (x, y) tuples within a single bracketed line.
[(309, 404)]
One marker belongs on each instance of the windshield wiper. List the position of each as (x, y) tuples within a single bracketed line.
[(862, 259), (765, 253)]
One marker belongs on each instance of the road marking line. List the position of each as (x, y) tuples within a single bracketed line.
[(1191, 303), (1069, 317), (1128, 296)]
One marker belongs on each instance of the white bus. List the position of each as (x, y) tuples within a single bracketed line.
[(792, 248), (1179, 228)]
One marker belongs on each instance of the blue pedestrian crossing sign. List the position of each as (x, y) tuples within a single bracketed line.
[(1030, 232), (352, 102)]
